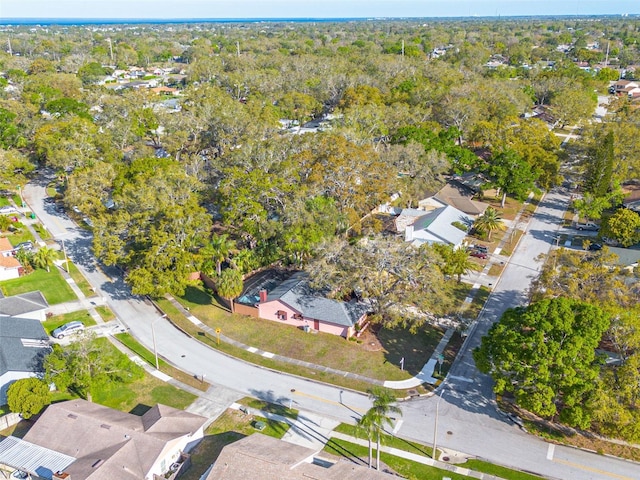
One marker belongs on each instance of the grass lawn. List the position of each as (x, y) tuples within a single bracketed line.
[(43, 232), (419, 449), (20, 235), (178, 319), (4, 201), (81, 282), (143, 394), (231, 426), (106, 313), (402, 466), (473, 310), (495, 270), (498, 471), (511, 243), (54, 288), (388, 441), (81, 315), (511, 206), (324, 349), (273, 408), (133, 345)]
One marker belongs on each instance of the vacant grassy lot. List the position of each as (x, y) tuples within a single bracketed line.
[(81, 315), (54, 288), (228, 428)]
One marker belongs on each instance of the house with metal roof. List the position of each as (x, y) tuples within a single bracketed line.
[(293, 302), (107, 444), (441, 225), (23, 346)]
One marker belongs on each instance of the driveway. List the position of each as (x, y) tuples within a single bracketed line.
[(469, 421)]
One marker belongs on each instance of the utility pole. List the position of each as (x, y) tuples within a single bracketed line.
[(606, 58), (10, 50), (402, 48), (238, 48), (110, 49)]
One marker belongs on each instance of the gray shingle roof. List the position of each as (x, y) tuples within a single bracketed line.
[(296, 292), (23, 344), (23, 303)]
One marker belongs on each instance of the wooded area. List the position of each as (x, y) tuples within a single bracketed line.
[(188, 147)]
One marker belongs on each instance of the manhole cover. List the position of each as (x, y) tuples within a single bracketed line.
[(445, 459), (412, 392), (449, 432)]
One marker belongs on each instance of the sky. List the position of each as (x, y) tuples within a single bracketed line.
[(212, 9)]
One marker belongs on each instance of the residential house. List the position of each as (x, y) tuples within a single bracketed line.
[(267, 458), (435, 226), (625, 87), (23, 345), (10, 267), (97, 442), (293, 302), (628, 258), (456, 195), (31, 305)]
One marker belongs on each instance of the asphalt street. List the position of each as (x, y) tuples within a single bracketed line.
[(468, 419)]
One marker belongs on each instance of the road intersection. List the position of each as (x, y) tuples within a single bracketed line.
[(469, 420)]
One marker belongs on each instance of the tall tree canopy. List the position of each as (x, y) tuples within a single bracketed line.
[(544, 355), (156, 227)]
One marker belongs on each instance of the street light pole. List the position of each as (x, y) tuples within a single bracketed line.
[(435, 426), (155, 348), (66, 259)]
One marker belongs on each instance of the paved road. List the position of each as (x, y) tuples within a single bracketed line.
[(466, 408)]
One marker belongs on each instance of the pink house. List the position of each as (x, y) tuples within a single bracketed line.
[(294, 303)]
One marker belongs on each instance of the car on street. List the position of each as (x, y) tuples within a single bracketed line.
[(70, 328), (587, 226), (478, 254), (594, 247)]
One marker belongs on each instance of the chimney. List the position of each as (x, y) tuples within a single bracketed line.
[(61, 476), (263, 296), (408, 233)]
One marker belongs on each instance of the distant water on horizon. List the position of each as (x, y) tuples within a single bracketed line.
[(159, 21)]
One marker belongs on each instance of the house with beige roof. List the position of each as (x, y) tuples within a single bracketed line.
[(267, 458), (100, 443)]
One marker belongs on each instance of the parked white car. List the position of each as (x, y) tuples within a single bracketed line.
[(68, 329), (8, 209)]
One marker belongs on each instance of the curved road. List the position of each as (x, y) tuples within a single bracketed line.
[(468, 419)]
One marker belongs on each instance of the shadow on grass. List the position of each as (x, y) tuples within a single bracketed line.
[(197, 296), (337, 449), (415, 348)]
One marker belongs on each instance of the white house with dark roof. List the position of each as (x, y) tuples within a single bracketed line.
[(23, 346), (100, 443), (293, 302), (25, 305)]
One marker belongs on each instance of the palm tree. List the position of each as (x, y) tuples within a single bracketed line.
[(44, 258), (229, 285), (218, 250), (489, 221), (366, 426), (380, 414)]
